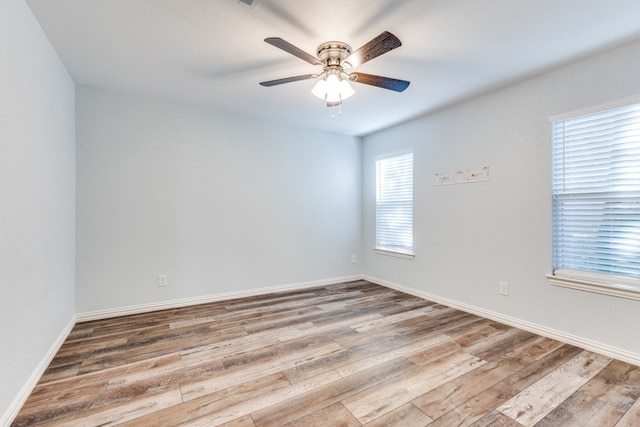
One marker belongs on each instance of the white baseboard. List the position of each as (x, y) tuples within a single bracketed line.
[(581, 342), (185, 302), (14, 408)]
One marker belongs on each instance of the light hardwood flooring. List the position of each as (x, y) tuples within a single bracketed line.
[(349, 354)]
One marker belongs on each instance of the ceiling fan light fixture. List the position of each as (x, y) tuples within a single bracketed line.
[(333, 89)]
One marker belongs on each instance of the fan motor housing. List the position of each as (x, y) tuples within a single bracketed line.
[(332, 53)]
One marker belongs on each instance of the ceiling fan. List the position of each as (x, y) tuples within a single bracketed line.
[(336, 57)]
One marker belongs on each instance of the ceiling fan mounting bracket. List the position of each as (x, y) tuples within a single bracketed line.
[(333, 53)]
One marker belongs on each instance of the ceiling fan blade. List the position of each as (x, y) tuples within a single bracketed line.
[(374, 48), (383, 82), (288, 80), (295, 51)]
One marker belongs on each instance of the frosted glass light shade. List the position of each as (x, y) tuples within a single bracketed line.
[(333, 88), (345, 89), (320, 89)]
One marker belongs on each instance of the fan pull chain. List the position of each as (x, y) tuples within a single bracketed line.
[(333, 112)]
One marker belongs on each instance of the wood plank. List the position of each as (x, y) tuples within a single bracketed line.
[(497, 345), (240, 375), (273, 351), (602, 401), (372, 343), (121, 413), (245, 421), (297, 332), (372, 403), (456, 392), (441, 349), (89, 391), (473, 410), (631, 418), (406, 331), (363, 326), (309, 403), (225, 347), (402, 351), (496, 419), (405, 416), (581, 409), (535, 402), (465, 413), (235, 407), (617, 384), (213, 406), (532, 350), (337, 413)]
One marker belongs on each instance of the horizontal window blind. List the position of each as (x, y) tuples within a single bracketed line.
[(596, 193), (394, 203)]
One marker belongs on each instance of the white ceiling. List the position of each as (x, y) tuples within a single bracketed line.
[(212, 53)]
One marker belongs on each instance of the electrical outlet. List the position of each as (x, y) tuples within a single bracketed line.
[(162, 280), (353, 259), (504, 288)]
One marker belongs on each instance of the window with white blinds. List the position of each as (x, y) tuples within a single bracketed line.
[(596, 197), (394, 204)]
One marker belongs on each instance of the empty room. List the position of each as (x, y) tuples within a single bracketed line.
[(320, 213)]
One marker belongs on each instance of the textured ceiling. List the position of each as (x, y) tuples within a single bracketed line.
[(212, 53)]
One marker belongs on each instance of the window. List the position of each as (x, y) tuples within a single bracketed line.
[(394, 205), (596, 201)]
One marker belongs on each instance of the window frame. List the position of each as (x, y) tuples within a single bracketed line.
[(399, 251), (586, 280)]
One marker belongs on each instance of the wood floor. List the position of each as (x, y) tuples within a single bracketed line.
[(349, 354)]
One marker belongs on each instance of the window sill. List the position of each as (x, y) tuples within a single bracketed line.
[(388, 252), (613, 289)]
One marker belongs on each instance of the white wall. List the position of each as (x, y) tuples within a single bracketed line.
[(220, 203), (37, 175), (469, 237)]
